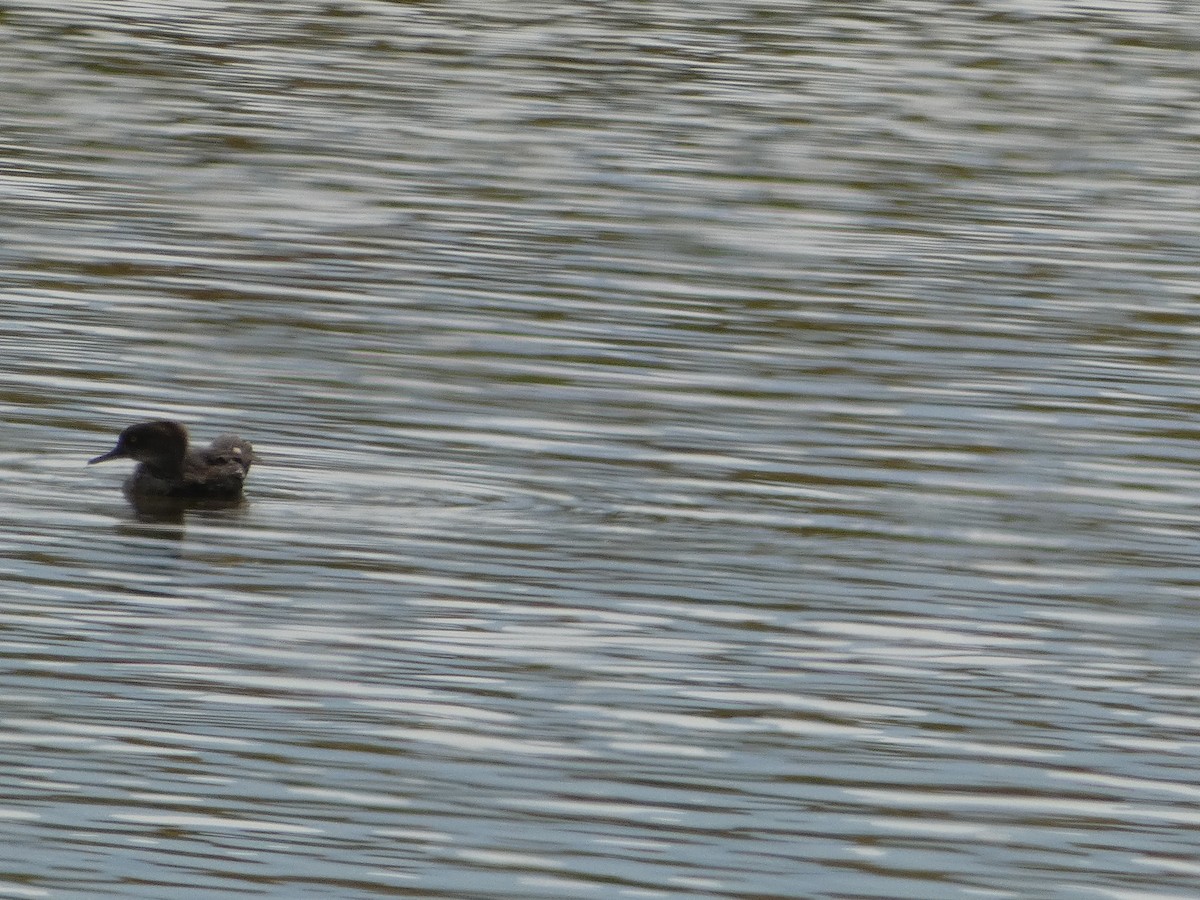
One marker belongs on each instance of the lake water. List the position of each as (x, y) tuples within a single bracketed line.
[(740, 451)]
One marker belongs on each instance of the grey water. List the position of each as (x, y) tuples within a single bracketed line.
[(743, 450)]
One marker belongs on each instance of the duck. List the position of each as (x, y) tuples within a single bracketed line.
[(168, 467)]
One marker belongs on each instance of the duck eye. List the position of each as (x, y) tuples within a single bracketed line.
[(132, 439)]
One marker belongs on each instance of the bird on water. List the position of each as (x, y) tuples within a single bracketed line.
[(167, 467)]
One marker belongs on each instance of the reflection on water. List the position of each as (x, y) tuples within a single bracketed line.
[(705, 452)]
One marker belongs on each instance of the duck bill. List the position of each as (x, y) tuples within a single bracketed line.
[(114, 453)]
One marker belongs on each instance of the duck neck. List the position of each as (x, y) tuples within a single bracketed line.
[(168, 468)]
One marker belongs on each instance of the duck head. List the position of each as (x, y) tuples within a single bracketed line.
[(161, 445)]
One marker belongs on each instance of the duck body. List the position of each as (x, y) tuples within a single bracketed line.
[(169, 467)]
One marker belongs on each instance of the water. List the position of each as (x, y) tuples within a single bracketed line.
[(741, 452)]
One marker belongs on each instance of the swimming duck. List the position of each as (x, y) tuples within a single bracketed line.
[(167, 468)]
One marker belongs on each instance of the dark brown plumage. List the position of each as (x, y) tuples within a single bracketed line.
[(167, 467)]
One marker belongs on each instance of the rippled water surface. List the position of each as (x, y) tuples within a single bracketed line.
[(730, 451)]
